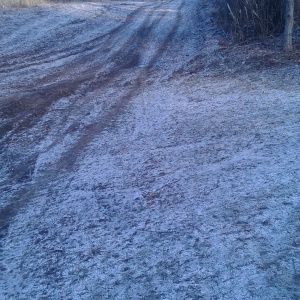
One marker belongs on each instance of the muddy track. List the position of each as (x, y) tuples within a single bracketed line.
[(33, 58), (123, 58), (104, 61), (123, 176), (126, 58), (99, 43)]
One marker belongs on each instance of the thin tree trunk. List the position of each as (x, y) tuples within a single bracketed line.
[(289, 24)]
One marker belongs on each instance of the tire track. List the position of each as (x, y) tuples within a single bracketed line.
[(168, 39), (16, 107), (87, 83), (124, 61), (109, 120), (43, 58)]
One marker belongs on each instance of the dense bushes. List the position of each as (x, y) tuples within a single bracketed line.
[(247, 19)]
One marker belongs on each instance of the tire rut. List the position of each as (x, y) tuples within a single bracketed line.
[(109, 120), (124, 60), (43, 58), (16, 107), (87, 82)]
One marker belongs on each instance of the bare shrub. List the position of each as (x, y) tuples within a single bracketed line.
[(248, 19)]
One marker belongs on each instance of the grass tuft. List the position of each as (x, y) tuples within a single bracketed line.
[(21, 3)]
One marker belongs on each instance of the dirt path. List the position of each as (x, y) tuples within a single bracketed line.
[(60, 65), (123, 176)]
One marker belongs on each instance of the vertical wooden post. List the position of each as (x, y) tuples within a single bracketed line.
[(289, 24)]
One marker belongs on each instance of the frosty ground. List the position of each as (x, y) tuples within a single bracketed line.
[(131, 168)]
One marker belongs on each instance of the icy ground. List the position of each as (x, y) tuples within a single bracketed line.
[(124, 176)]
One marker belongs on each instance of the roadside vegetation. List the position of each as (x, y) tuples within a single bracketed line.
[(248, 20), (18, 3), (22, 3)]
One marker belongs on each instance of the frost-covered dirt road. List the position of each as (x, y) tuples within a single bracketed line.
[(130, 170)]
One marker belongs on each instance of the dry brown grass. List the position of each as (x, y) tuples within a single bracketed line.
[(24, 3), (20, 3), (246, 20)]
